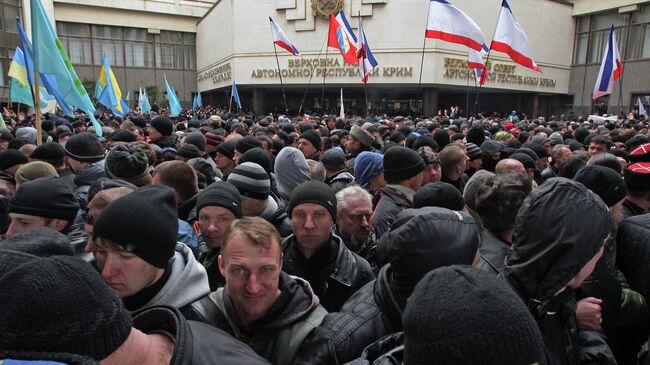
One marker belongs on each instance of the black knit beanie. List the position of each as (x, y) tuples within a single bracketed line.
[(197, 139), (401, 163), (122, 135), (49, 151), (463, 315), (439, 194), (251, 180), (163, 125), (84, 147), (246, 144), (313, 138), (60, 304), (11, 158), (144, 222), (188, 151), (605, 182), (313, 192), (48, 197), (40, 241), (259, 156), (227, 149), (125, 161), (476, 135), (220, 194)]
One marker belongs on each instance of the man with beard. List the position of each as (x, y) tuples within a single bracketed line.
[(353, 222)]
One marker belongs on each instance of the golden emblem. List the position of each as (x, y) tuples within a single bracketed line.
[(326, 7)]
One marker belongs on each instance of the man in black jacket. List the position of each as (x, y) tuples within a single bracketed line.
[(73, 313), (420, 241), (314, 253)]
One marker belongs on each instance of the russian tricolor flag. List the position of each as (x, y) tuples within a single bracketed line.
[(611, 69), (510, 38), (475, 61), (448, 23), (342, 38), (367, 61), (282, 40)]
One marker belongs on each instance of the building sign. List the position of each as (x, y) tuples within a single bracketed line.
[(332, 67), (326, 7), (217, 74), (500, 73)]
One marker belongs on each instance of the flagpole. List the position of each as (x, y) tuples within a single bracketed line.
[(467, 90), (424, 44), (363, 66), (485, 68), (284, 96), (322, 94), (37, 109), (304, 96), (230, 105)]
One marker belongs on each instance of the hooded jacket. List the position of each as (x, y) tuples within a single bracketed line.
[(187, 284), (422, 240), (559, 228), (85, 178), (340, 180), (168, 146), (291, 170), (633, 256), (493, 252), (195, 343), (276, 214), (392, 202), (278, 335)]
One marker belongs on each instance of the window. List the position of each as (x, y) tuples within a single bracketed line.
[(582, 40), (175, 50), (10, 13), (75, 39), (138, 48), (592, 33), (639, 46), (107, 41)]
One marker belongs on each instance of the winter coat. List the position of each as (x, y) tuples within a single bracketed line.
[(633, 253), (549, 249), (493, 252), (341, 277), (278, 335), (291, 170), (168, 146), (195, 343), (392, 202), (367, 250), (276, 214), (388, 350), (208, 258), (340, 180), (630, 209), (187, 284), (85, 178), (372, 312)]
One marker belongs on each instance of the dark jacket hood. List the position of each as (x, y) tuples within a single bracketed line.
[(559, 228), (90, 174), (424, 239)]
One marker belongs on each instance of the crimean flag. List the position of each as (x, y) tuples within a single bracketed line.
[(611, 68), (281, 39), (342, 38), (367, 61), (450, 24), (511, 39), (475, 61)]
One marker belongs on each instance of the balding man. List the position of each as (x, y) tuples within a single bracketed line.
[(510, 165)]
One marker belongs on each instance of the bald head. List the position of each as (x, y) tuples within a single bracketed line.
[(509, 165)]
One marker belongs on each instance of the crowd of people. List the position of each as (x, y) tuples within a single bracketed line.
[(225, 238)]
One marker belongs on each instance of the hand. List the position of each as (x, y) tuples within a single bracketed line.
[(588, 314)]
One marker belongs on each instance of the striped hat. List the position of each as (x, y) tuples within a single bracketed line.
[(641, 153), (473, 151), (251, 180)]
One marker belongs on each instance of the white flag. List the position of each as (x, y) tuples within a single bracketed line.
[(342, 112), (642, 110)]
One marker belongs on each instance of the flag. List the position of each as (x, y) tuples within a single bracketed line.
[(143, 102), (235, 95), (20, 90), (128, 96), (450, 24), (367, 61), (51, 59), (199, 100), (2, 122), (46, 80), (611, 69), (475, 61), (510, 38), (174, 103), (194, 107), (342, 38), (111, 95), (342, 111), (642, 110), (281, 39)]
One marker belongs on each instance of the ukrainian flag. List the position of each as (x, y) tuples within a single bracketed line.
[(111, 96), (20, 89)]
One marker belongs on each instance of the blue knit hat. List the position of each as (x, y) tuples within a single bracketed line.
[(367, 166)]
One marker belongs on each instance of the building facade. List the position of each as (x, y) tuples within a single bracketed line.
[(234, 43)]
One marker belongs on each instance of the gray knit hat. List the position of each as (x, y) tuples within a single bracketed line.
[(360, 135), (251, 180)]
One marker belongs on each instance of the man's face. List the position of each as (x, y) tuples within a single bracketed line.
[(353, 222), (417, 181), (154, 134), (475, 164), (4, 145), (251, 207), (222, 161), (75, 165), (123, 270), (24, 222), (596, 148), (312, 225), (586, 270), (213, 223), (541, 163), (352, 145), (236, 157), (433, 173), (308, 150), (252, 275)]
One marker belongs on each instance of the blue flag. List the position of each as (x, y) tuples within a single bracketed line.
[(111, 95), (199, 101), (50, 59), (235, 95), (46, 80), (145, 107), (174, 103)]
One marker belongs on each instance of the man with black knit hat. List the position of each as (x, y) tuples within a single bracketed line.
[(475, 161), (244, 145), (254, 186), (420, 241), (136, 249), (309, 144), (224, 157), (314, 253), (85, 156), (336, 175), (637, 181), (54, 154), (10, 162), (217, 206), (403, 172), (72, 316), (128, 162), (161, 133)]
